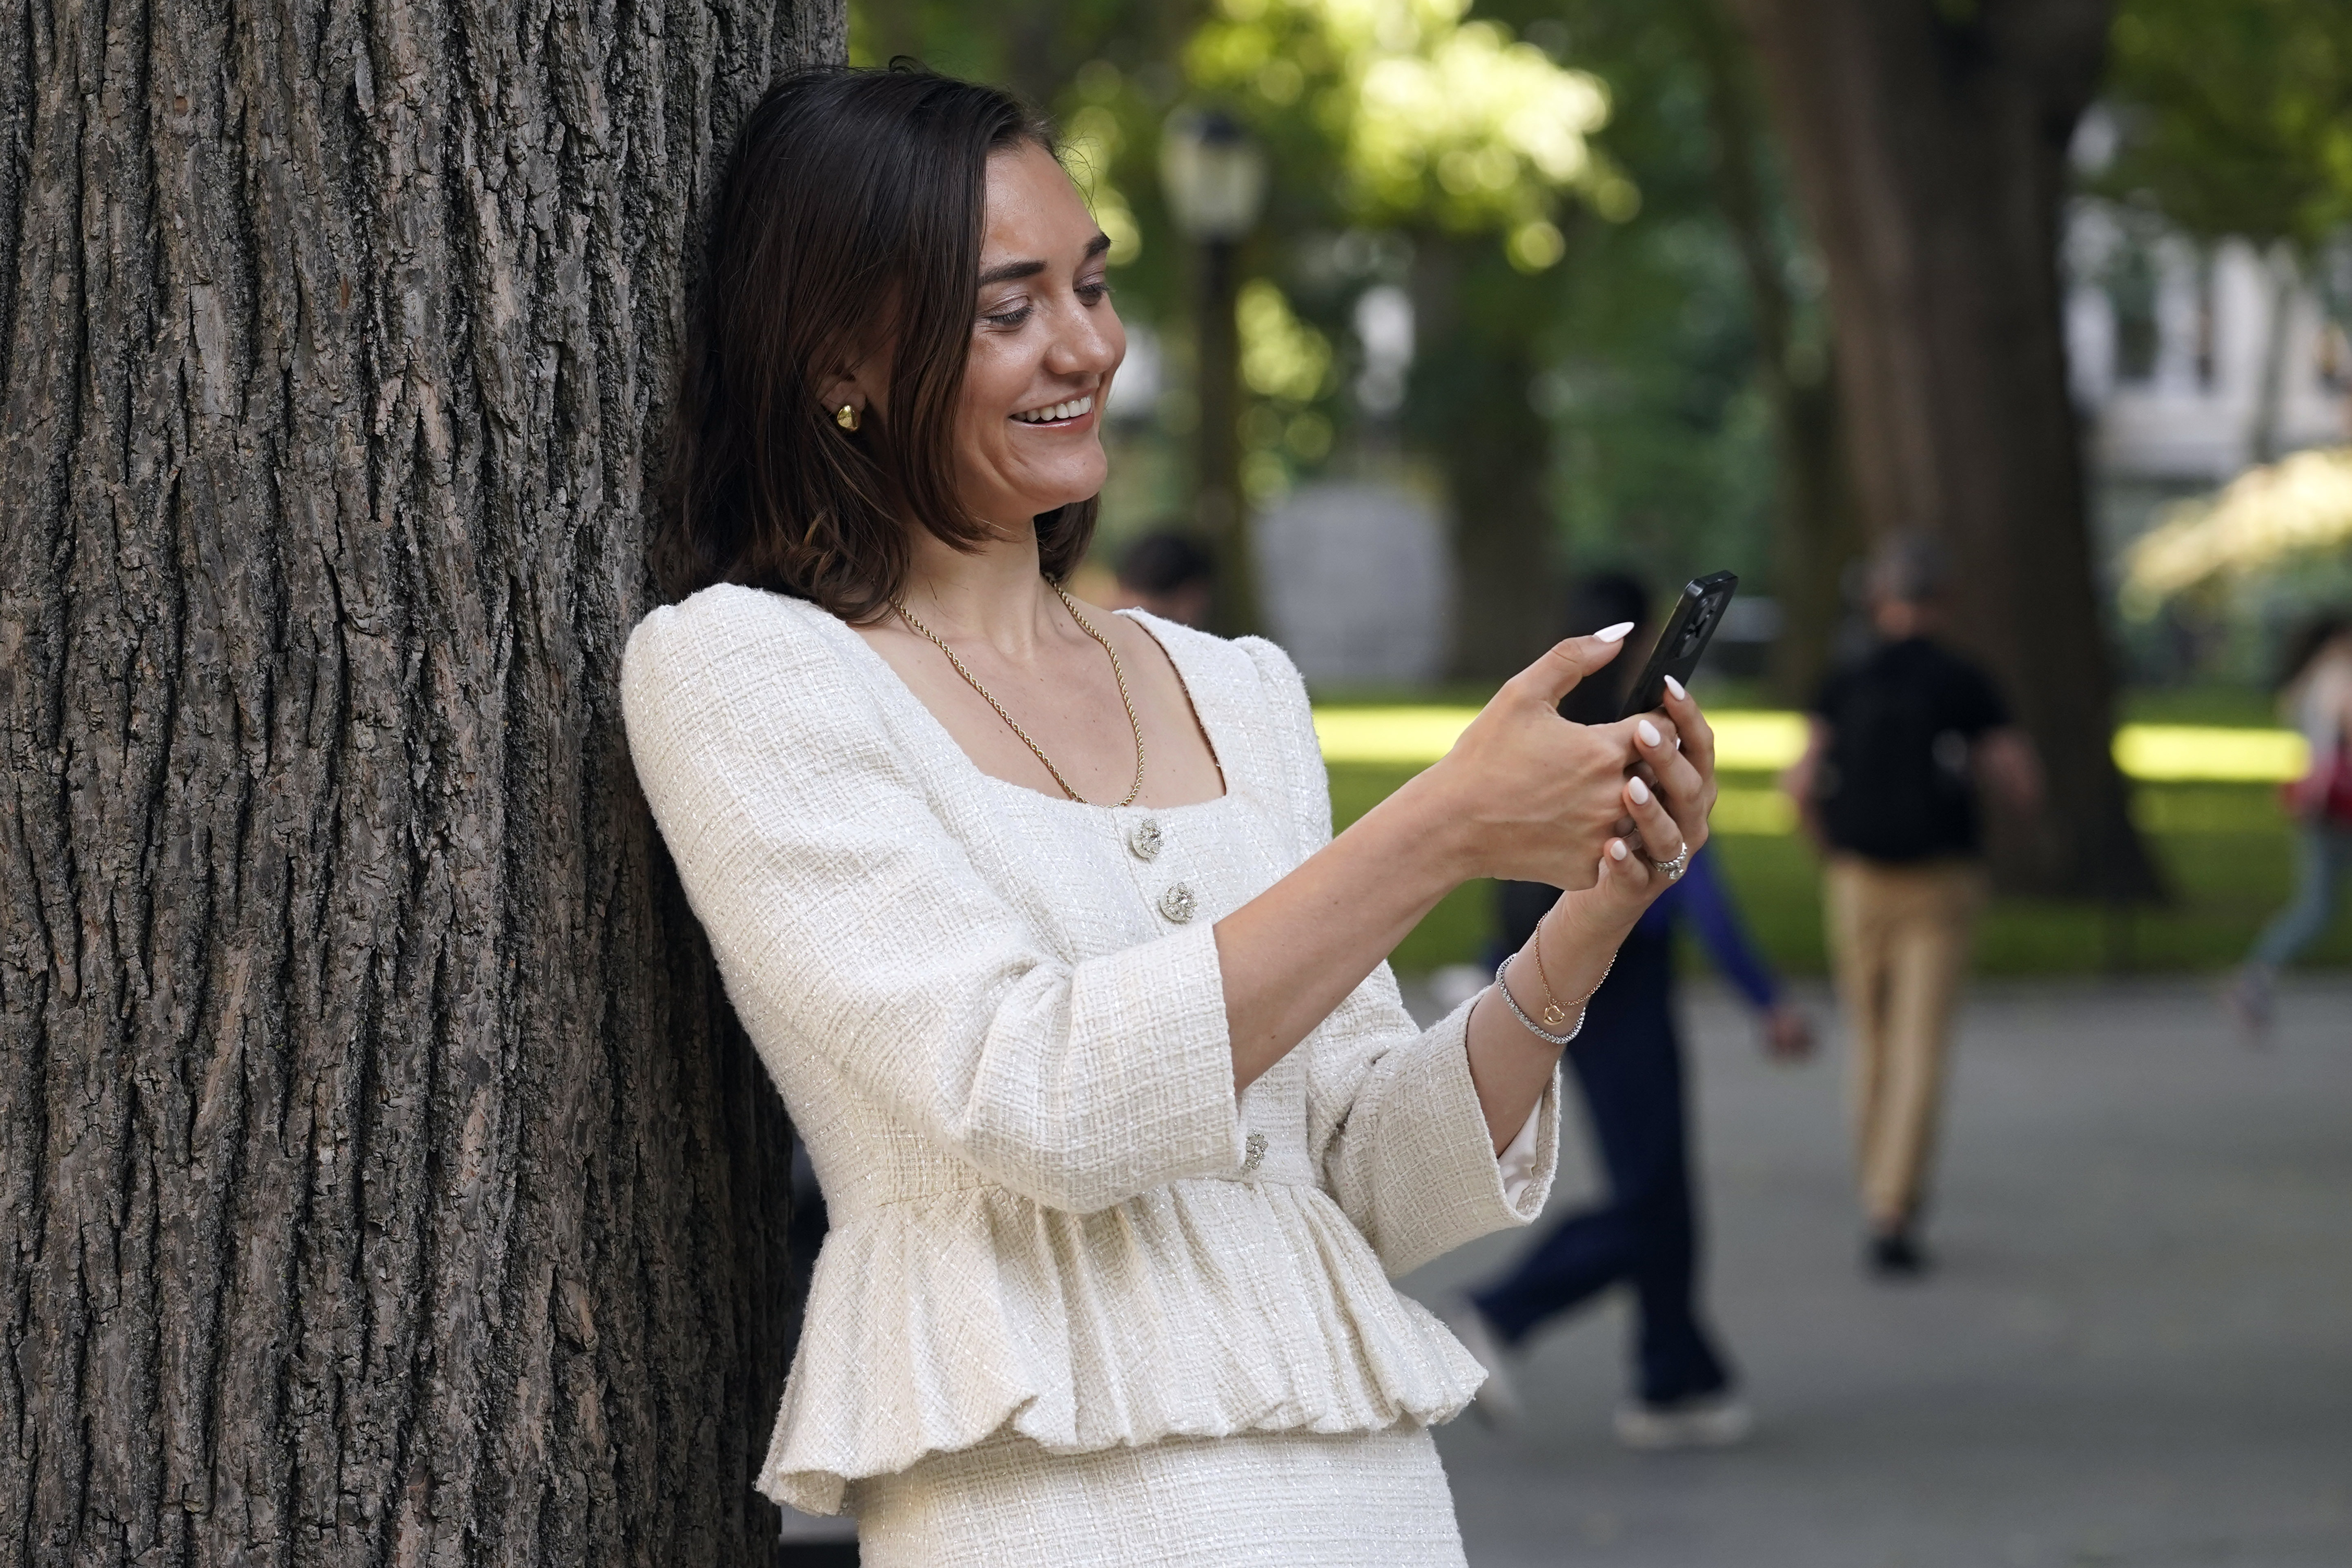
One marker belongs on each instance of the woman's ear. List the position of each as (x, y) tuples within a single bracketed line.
[(840, 392), (857, 387)]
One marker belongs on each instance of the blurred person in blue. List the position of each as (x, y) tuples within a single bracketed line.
[(1628, 1066), (2316, 696)]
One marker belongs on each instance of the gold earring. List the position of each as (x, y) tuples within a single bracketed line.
[(846, 417)]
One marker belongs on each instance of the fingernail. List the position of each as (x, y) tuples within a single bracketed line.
[(1639, 791), (1676, 687), (1649, 734), (1616, 849), (1614, 633)]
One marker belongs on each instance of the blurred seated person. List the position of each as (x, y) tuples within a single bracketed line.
[(1170, 574), (1628, 1068)]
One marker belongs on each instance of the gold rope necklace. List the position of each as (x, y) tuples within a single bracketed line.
[(973, 680)]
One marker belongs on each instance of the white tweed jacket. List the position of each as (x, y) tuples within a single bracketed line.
[(997, 1019)]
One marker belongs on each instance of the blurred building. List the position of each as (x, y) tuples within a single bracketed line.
[(1355, 582), (2192, 363), (2195, 361)]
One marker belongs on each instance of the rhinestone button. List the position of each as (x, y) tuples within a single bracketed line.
[(1177, 903), (1256, 1147), (1144, 839)]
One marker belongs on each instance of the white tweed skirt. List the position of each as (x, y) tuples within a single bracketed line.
[(1286, 1500)]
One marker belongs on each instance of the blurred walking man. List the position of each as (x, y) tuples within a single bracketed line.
[(1888, 786)]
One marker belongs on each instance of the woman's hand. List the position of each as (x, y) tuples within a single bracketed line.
[(1672, 792), (1665, 801), (1788, 1033), (1532, 796), (1657, 810)]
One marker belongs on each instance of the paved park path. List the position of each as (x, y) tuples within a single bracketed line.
[(2137, 1352)]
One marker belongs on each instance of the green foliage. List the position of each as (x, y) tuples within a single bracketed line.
[(2236, 115), (1663, 454), (1430, 118)]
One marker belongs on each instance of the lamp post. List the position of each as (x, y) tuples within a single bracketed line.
[(1214, 177)]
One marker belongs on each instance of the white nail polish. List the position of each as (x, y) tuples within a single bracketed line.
[(1614, 633), (1676, 687), (1616, 849), (1649, 734), (1639, 791)]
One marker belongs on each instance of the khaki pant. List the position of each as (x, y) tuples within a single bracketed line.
[(1899, 937)]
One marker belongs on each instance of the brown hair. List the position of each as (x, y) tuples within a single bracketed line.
[(851, 222)]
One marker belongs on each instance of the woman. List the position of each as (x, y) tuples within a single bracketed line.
[(1033, 912), (1628, 1069), (2316, 696)]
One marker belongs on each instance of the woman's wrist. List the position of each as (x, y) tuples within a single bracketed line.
[(1577, 960), (1433, 827)]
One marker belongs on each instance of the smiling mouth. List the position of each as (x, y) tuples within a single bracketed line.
[(1058, 413)]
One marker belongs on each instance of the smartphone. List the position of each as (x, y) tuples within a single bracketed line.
[(1696, 615)]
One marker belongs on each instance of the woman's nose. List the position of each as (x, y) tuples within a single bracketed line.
[(1089, 342)]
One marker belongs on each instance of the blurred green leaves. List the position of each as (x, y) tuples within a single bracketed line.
[(1429, 119), (2235, 116)]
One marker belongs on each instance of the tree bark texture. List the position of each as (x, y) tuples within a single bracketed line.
[(1929, 140), (385, 1179)]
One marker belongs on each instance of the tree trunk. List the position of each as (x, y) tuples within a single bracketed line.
[(1471, 405), (1929, 140), (385, 1177), (1815, 531), (2280, 271)]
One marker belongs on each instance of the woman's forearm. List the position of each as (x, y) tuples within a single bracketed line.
[(1523, 793), (1294, 953), (1291, 955), (1510, 1064)]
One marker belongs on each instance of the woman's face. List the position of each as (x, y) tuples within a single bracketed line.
[(1044, 343)]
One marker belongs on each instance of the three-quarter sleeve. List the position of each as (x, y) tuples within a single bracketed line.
[(1393, 1120), (850, 923)]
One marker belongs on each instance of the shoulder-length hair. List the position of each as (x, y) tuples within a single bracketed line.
[(850, 224)]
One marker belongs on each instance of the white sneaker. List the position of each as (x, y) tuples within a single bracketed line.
[(1498, 1397), (1710, 1421), (2249, 998)]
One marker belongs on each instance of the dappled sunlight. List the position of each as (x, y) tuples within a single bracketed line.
[(1766, 741)]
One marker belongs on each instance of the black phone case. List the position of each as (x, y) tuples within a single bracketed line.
[(1684, 642)]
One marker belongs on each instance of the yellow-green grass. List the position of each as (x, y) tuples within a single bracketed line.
[(1768, 739), (2226, 848)]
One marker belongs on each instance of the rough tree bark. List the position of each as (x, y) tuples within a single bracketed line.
[(1928, 143), (384, 1179)]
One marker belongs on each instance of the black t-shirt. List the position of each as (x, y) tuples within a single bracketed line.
[(1896, 783)]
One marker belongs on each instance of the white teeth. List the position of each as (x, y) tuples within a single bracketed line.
[(1069, 410)]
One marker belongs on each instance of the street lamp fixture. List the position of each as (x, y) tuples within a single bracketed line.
[(1213, 174)]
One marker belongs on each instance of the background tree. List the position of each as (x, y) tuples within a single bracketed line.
[(2234, 121), (1928, 142), (1815, 533), (384, 1179), (1408, 122), (1686, 360)]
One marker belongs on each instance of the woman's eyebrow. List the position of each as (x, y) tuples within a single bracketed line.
[(1005, 272)]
